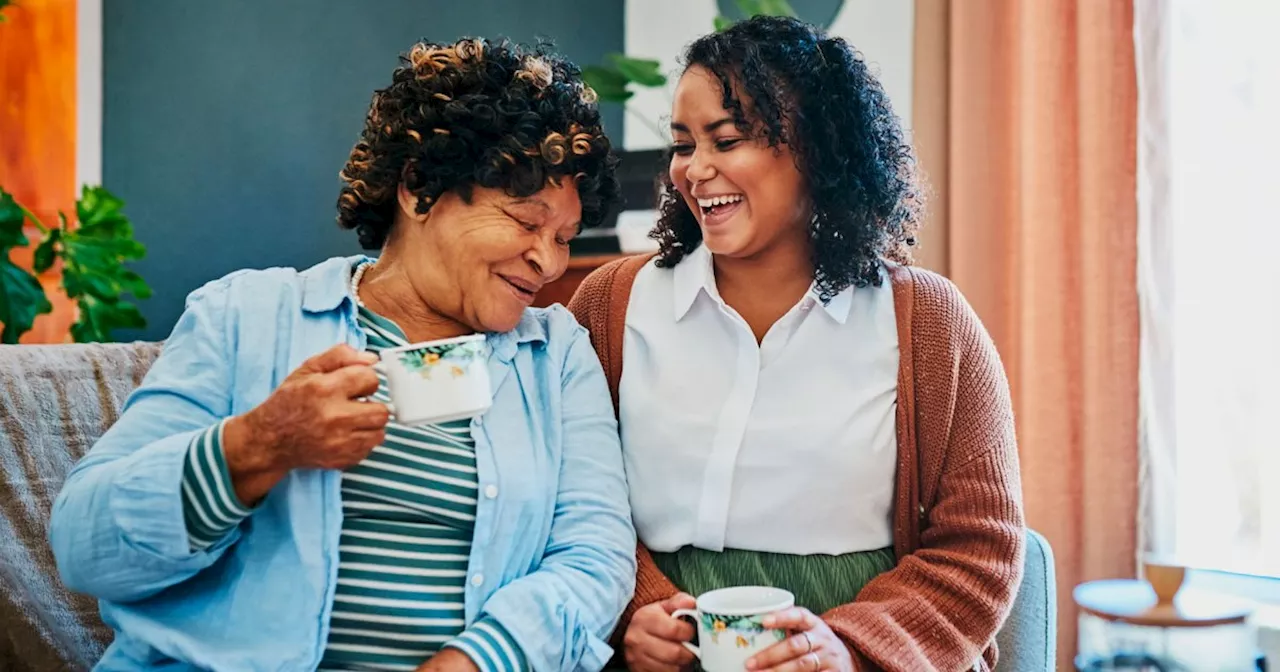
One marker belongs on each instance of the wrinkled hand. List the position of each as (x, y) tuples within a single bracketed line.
[(653, 642), (316, 419), (811, 647), (449, 660)]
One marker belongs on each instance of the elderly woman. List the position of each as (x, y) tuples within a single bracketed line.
[(255, 508), (833, 422)]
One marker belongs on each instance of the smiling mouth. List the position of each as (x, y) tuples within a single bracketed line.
[(719, 209), (718, 205), (523, 289)]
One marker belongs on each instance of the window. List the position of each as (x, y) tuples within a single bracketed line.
[(1209, 280)]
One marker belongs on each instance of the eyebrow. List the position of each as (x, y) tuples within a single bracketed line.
[(677, 126)]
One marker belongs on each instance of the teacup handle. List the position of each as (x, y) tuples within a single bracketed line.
[(689, 613), (381, 368)]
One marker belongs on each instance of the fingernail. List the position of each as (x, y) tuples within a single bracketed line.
[(751, 663), (767, 622)]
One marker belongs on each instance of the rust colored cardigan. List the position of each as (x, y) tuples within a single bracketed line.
[(958, 525)]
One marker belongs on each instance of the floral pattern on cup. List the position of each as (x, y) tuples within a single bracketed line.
[(744, 629), (452, 358)]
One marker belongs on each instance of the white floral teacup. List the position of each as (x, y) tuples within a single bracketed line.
[(438, 381), (729, 625)]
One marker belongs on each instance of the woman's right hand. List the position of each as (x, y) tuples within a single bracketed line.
[(315, 419), (654, 642)]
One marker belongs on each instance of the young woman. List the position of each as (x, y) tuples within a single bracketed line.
[(798, 407)]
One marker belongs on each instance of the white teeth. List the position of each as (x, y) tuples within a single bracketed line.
[(719, 200)]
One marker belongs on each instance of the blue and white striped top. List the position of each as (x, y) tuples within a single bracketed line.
[(408, 522)]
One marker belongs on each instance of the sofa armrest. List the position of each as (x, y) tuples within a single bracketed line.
[(1028, 639)]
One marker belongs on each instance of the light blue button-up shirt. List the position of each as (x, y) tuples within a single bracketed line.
[(553, 558)]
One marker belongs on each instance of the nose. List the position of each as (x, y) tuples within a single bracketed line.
[(701, 167), (546, 258)]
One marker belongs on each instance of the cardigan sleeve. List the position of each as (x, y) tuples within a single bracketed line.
[(941, 606)]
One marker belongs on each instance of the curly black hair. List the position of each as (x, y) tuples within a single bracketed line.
[(815, 94), (476, 112)]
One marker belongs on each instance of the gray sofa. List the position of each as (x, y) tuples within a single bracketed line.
[(55, 401)]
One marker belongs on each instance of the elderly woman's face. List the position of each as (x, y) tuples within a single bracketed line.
[(482, 263)]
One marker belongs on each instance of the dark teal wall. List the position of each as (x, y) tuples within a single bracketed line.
[(225, 123)]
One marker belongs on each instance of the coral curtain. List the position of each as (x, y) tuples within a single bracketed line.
[(1026, 121), (38, 132)]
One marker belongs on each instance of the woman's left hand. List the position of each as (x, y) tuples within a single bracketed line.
[(449, 660), (812, 645)]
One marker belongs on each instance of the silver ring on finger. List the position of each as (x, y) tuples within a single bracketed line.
[(817, 664), (808, 641)]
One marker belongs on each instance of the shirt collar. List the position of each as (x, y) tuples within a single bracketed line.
[(327, 285), (695, 274), (839, 306)]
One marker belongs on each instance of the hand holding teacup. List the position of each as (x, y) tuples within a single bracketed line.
[(315, 419), (753, 628), (322, 416), (812, 645)]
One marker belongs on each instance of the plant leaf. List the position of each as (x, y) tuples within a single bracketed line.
[(12, 219), (45, 253), (93, 270), (99, 317), (100, 213), (776, 8), (21, 300), (642, 71), (722, 23), (134, 284), (609, 84), (21, 296)]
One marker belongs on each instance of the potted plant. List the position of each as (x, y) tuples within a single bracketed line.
[(92, 254)]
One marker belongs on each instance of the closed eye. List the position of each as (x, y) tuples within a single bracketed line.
[(727, 144), (682, 149)]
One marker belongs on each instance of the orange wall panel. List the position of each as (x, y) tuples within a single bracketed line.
[(38, 130)]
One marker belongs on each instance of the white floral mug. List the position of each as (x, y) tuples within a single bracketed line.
[(729, 625), (438, 381)]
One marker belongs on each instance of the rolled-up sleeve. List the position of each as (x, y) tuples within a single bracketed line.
[(490, 647), (209, 503), (563, 613), (118, 529)]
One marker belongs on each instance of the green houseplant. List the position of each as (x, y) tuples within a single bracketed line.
[(92, 254), (612, 81)]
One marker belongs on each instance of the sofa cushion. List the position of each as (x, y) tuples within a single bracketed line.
[(55, 401)]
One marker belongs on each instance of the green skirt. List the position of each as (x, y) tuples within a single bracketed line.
[(819, 582)]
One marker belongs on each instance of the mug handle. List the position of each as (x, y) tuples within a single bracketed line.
[(689, 613), (381, 368)]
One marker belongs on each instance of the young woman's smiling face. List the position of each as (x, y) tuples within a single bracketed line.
[(747, 196)]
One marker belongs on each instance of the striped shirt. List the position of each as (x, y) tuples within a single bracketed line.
[(408, 520)]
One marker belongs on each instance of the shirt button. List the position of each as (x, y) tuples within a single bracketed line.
[(477, 579), (479, 421), (491, 491)]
